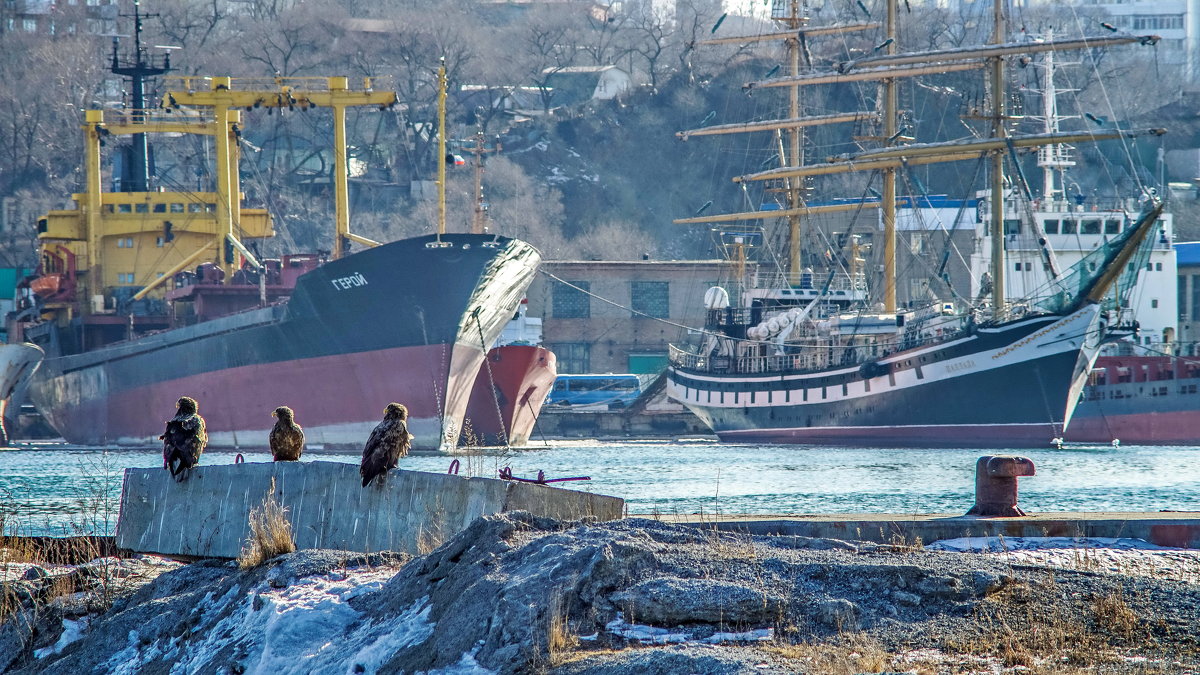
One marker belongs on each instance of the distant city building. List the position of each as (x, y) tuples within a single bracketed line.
[(59, 17), (576, 84), (1187, 260), (1176, 22)]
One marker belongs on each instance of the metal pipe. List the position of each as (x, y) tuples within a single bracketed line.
[(170, 274)]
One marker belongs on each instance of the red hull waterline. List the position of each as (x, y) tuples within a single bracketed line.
[(951, 435), (1151, 428), (504, 414), (338, 399)]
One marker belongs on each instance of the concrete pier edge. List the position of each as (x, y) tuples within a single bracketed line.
[(207, 514), (1175, 529)]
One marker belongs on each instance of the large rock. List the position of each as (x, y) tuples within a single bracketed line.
[(669, 601)]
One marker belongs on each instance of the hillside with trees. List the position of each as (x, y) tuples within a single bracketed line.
[(588, 179)]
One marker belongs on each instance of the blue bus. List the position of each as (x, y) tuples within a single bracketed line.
[(615, 391)]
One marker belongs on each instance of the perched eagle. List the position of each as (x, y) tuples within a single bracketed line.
[(388, 443), (184, 439), (287, 438)]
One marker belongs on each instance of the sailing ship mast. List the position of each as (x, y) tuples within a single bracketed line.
[(793, 15), (997, 175), (891, 66), (794, 186), (890, 135)]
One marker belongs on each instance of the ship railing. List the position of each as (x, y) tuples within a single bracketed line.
[(195, 83), (841, 281), (807, 356), (175, 116), (1064, 206)]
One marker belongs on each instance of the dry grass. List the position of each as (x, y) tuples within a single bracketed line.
[(856, 654), (902, 542), (1113, 614), (270, 533), (1030, 625), (18, 552), (429, 539), (560, 641)]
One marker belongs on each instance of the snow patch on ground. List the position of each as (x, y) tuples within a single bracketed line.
[(1096, 554), (1009, 544), (467, 665), (72, 632), (305, 627), (662, 636)]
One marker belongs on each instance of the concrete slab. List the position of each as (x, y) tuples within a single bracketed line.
[(1179, 529), (207, 514)]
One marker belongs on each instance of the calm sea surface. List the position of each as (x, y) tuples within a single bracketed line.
[(58, 490)]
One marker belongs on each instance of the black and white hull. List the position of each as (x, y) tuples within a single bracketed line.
[(1011, 385)]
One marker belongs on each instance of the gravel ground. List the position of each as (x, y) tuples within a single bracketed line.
[(519, 594)]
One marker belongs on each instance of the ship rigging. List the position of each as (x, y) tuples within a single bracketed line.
[(809, 362)]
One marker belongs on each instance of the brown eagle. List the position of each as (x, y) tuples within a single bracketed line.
[(287, 438), (388, 443), (184, 439)]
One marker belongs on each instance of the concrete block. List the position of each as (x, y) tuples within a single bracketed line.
[(207, 515)]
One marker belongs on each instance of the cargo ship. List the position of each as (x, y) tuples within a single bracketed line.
[(511, 387), (1140, 400), (144, 295)]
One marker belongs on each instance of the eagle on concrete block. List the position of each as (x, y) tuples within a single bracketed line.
[(184, 439), (287, 438), (388, 443)]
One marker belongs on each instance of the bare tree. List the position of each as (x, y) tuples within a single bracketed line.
[(294, 42), (548, 50), (649, 37)]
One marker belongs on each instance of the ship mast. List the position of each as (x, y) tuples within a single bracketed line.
[(138, 69), (795, 155), (441, 179), (887, 159), (997, 177), (890, 135), (1056, 157), (479, 220), (794, 17)]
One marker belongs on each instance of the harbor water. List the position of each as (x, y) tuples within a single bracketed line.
[(56, 490)]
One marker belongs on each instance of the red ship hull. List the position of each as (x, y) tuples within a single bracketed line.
[(1140, 400), (508, 394)]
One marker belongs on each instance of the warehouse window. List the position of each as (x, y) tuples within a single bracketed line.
[(651, 298), (572, 302)]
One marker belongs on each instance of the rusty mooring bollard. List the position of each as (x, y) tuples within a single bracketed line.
[(996, 484)]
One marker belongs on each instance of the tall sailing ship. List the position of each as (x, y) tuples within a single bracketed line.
[(822, 358), (145, 295)]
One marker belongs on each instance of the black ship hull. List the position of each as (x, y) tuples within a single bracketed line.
[(402, 322), (999, 387)]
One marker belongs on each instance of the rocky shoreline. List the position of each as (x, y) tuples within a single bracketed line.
[(518, 594)]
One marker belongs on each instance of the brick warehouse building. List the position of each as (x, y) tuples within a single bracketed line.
[(590, 335)]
